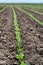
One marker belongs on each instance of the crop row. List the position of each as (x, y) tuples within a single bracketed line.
[(36, 20), (2, 9), (20, 55), (36, 15), (34, 7), (34, 11), (37, 12)]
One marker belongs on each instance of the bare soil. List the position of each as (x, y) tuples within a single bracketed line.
[(7, 38), (31, 36), (32, 39)]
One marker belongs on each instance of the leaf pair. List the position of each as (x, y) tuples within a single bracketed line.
[(17, 28), (19, 50), (23, 63), (20, 56)]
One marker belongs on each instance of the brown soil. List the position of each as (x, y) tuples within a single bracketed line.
[(38, 16), (32, 39), (7, 38), (31, 35)]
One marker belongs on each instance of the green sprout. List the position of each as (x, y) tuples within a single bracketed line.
[(23, 63), (19, 50), (17, 29), (20, 54)]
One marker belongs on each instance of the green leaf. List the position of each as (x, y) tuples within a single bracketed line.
[(20, 56), (19, 50), (17, 33), (15, 23), (17, 29), (18, 39), (19, 45), (23, 63)]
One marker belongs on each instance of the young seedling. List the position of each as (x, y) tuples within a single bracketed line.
[(17, 29), (19, 50), (20, 54), (23, 63)]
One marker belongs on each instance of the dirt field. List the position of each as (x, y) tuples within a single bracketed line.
[(38, 16), (31, 35), (7, 38), (32, 39)]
